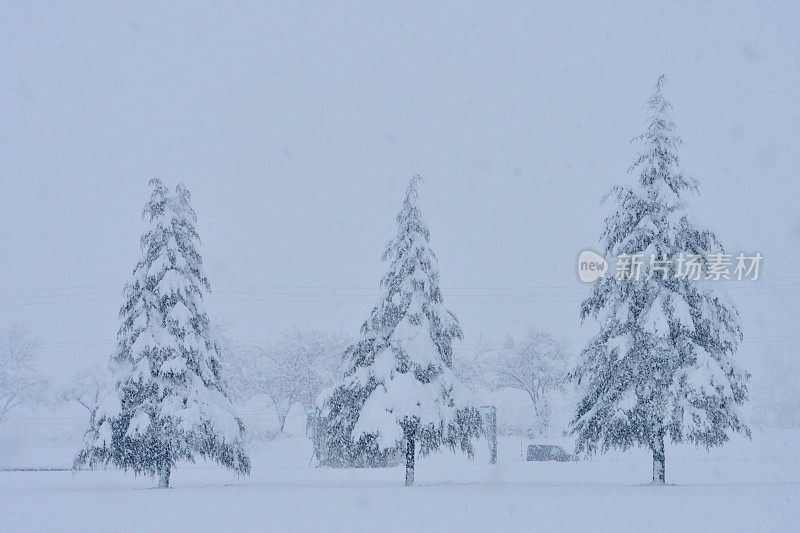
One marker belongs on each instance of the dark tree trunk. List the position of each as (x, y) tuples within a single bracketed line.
[(659, 459), (163, 475), (491, 433), (409, 458)]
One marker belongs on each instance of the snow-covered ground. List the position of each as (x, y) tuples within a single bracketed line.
[(747, 485)]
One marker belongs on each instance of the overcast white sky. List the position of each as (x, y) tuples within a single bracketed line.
[(296, 128)]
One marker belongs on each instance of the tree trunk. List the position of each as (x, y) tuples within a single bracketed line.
[(659, 459), (163, 475), (282, 420), (491, 433), (409, 459)]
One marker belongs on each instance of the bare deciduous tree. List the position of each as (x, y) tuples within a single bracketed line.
[(86, 387), (294, 370), (472, 365), (537, 365), (19, 380)]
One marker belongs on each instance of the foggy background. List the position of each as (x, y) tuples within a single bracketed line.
[(297, 127)]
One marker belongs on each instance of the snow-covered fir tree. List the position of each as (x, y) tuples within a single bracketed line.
[(400, 392), (169, 402), (662, 363)]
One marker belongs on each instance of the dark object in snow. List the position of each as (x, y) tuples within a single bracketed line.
[(490, 426), (548, 452)]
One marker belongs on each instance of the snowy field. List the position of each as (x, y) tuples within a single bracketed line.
[(609, 188), (748, 485)]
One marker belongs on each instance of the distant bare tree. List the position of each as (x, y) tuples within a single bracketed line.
[(473, 366), (537, 365), (87, 387), (294, 370), (19, 381)]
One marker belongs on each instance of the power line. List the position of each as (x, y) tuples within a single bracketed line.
[(86, 417), (71, 421), (756, 339), (5, 291), (357, 288), (351, 299)]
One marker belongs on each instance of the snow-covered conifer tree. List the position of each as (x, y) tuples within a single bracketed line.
[(169, 402), (662, 363), (400, 381)]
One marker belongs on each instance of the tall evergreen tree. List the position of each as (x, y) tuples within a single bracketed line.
[(400, 391), (662, 363), (169, 402)]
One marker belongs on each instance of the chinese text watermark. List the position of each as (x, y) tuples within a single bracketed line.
[(715, 266)]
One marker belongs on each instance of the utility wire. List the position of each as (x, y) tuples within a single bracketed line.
[(756, 339), (351, 299), (356, 288)]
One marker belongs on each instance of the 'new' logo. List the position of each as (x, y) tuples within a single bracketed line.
[(591, 266)]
